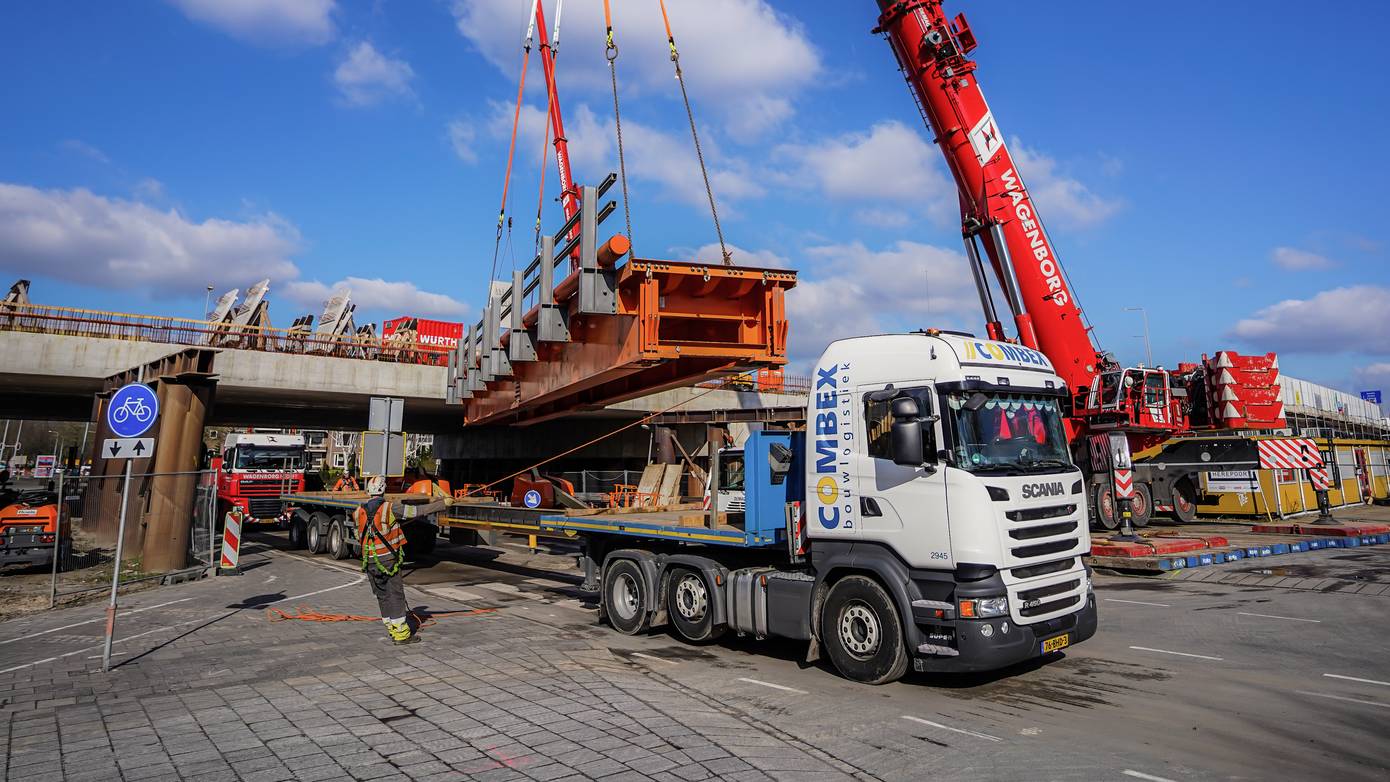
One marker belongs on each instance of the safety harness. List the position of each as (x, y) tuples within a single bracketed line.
[(371, 508)]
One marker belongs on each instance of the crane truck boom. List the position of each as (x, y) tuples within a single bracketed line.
[(1157, 414)]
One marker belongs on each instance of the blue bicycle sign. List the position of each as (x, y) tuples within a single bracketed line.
[(133, 410)]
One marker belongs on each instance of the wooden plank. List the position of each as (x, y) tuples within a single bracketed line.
[(650, 482), (669, 492)]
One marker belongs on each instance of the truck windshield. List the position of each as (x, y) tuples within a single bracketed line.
[(263, 458), (1015, 433)]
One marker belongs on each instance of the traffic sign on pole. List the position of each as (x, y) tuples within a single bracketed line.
[(128, 447), (133, 410)]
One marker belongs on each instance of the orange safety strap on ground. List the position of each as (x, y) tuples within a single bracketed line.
[(307, 614)]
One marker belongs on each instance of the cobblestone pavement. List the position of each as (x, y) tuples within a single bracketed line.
[(1186, 680), (208, 688)]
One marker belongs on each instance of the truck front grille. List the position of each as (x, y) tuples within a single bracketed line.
[(1043, 549), (1042, 531), (1033, 571), (1033, 514), (264, 507)]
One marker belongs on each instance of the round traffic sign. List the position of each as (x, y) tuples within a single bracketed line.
[(132, 411), (532, 499)]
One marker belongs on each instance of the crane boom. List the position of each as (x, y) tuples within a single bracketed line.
[(997, 211)]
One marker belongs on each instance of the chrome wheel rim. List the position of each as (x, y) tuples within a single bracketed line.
[(860, 630), (625, 596), (692, 599)]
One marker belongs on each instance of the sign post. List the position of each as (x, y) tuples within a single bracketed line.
[(384, 419), (1122, 475), (131, 412)]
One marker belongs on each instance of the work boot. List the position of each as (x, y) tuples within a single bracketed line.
[(401, 634)]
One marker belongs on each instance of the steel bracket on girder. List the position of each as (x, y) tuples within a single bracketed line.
[(521, 342), (598, 287), (552, 320)]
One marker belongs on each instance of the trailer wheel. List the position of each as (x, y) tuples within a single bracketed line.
[(625, 598), (1103, 501), (338, 545), (862, 633), (317, 530), (1184, 501), (1142, 505), (688, 603), (298, 528)]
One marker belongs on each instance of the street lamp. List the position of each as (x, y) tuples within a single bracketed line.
[(1148, 348), (207, 302), (57, 448)]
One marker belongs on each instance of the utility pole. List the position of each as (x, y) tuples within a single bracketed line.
[(1148, 348)]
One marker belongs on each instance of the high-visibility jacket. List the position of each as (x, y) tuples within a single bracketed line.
[(388, 539)]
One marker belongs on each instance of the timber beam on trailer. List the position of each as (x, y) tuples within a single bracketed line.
[(609, 331)]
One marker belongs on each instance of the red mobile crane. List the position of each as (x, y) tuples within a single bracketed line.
[(1161, 412)]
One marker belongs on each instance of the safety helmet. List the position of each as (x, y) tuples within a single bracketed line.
[(376, 485)]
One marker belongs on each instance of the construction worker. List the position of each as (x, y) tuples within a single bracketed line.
[(383, 551)]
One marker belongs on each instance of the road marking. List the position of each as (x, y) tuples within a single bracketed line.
[(98, 619), (1129, 772), (984, 736), (1136, 602), (1343, 698), (1354, 679), (773, 686), (1180, 654), (359, 580), (652, 657), (1273, 616)]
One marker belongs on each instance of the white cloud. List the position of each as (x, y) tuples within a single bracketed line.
[(1293, 259), (1341, 320), (851, 290), (462, 137), (266, 22), (763, 259), (1060, 198), (653, 156), (149, 189), (744, 62), (379, 294), (112, 243), (889, 163), (366, 77), (883, 218), (84, 149)]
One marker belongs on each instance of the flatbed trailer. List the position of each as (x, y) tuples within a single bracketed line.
[(322, 522)]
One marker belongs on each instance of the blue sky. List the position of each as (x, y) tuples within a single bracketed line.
[(1221, 170)]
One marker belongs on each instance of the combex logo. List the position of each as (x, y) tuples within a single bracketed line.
[(1032, 490), (833, 434)]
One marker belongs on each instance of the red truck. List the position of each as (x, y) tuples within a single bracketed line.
[(255, 469)]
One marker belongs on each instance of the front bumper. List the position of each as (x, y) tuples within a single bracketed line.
[(1003, 649)]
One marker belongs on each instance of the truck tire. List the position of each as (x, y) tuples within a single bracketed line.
[(317, 532), (1184, 501), (625, 599), (689, 605), (862, 633), (1142, 505), (1103, 505), (298, 528), (338, 545)]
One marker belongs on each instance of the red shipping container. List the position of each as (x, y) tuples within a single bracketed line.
[(421, 340)]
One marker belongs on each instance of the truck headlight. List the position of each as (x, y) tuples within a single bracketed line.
[(984, 608)]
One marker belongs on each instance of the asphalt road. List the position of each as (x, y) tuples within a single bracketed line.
[(1185, 680)]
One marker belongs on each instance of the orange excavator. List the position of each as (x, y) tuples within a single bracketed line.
[(28, 525)]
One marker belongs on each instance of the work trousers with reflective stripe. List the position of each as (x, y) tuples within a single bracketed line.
[(389, 590)]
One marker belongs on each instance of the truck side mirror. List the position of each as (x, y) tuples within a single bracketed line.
[(907, 433)]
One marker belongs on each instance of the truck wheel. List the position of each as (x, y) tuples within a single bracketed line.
[(1142, 505), (297, 530), (689, 603), (1103, 501), (1184, 501), (862, 633), (625, 598), (317, 530), (338, 545)]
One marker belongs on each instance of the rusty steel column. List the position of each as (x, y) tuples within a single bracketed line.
[(164, 523), (97, 502), (665, 448)]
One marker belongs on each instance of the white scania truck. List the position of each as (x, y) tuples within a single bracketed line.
[(929, 515)]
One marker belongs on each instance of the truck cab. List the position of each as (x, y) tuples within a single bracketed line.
[(255, 469), (939, 463)]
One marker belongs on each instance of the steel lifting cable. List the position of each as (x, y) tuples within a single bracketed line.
[(511, 148), (612, 54), (699, 155), (741, 376)]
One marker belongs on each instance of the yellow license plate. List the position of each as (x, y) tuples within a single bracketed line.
[(1053, 644)]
